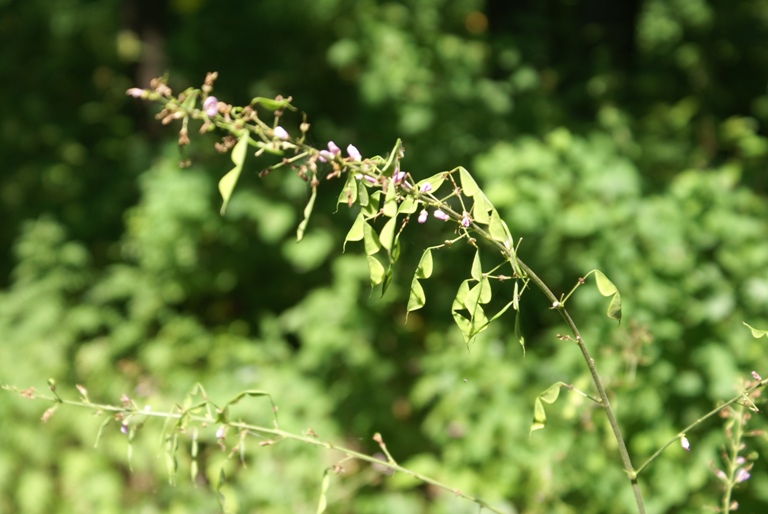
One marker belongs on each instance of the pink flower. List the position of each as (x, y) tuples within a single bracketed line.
[(685, 444), (742, 475), (440, 215), (211, 106), (367, 178), (426, 187), (328, 155), (135, 92), (280, 133), (465, 220), (756, 376), (398, 176), (354, 153), (423, 216)]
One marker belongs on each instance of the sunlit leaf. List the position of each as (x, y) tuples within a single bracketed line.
[(393, 160), (371, 240), (356, 232), (481, 209), (348, 195), (424, 269), (468, 184), (323, 501), (376, 271), (435, 181), (272, 104), (477, 268), (498, 229), (518, 331), (756, 332), (390, 201), (387, 234), (228, 181), (549, 396), (307, 213), (607, 288), (417, 299)]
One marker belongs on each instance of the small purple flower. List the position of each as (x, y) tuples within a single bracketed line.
[(367, 178), (398, 176), (211, 106), (221, 432), (426, 187), (281, 133), (328, 155), (756, 376), (423, 216), (354, 153), (742, 475), (135, 92), (124, 428), (465, 220), (685, 444), (440, 215)]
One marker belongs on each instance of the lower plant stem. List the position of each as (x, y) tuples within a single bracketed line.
[(628, 468)]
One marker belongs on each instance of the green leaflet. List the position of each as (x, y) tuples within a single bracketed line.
[(323, 501), (228, 181), (435, 181), (468, 184), (387, 234), (481, 208), (356, 232), (393, 160), (348, 195), (390, 201), (518, 332), (307, 213), (756, 332), (607, 288), (272, 104), (477, 268), (549, 396)]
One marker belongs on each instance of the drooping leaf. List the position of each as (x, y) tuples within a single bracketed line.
[(390, 201), (607, 288), (518, 332), (323, 501), (468, 184), (228, 181), (477, 268), (498, 229), (376, 270), (424, 269), (756, 332), (549, 396), (356, 232), (307, 213), (481, 209), (417, 299), (461, 296), (387, 234), (348, 195), (371, 240)]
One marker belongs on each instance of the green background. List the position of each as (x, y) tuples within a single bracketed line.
[(625, 136)]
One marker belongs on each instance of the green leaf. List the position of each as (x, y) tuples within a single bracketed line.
[(417, 298), (387, 235), (549, 396), (376, 271), (408, 206), (228, 181), (348, 195), (498, 229), (465, 326), (362, 193), (371, 240), (756, 332), (477, 268), (371, 208), (307, 213), (461, 296), (607, 288), (424, 269), (356, 232), (272, 104), (390, 201), (394, 158), (323, 502), (435, 181), (480, 208), (468, 184), (518, 332)]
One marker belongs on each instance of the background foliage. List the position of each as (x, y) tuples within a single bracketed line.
[(625, 136)]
